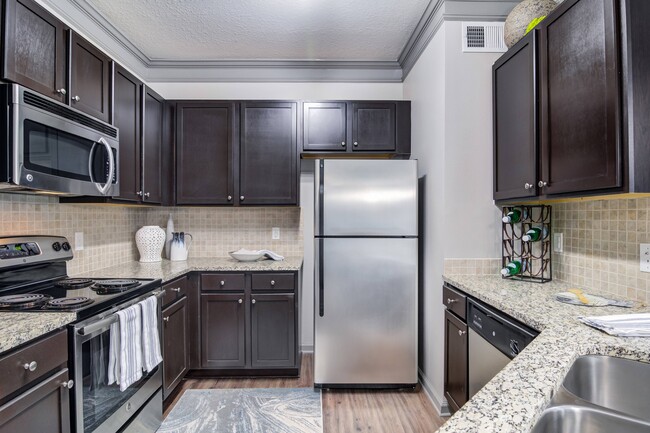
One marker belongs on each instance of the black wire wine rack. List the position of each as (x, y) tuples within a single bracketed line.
[(534, 256)]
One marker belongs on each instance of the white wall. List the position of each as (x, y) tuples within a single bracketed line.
[(452, 139)]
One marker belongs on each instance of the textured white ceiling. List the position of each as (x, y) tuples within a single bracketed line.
[(361, 30)]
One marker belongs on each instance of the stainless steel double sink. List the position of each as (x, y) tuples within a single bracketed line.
[(600, 394)]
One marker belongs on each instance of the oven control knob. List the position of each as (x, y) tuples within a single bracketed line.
[(65, 246), (56, 246)]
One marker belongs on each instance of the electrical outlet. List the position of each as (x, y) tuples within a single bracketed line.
[(79, 241), (644, 258), (275, 233), (558, 242)]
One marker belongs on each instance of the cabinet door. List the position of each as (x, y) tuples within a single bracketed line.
[(204, 156), (580, 91), (44, 408), (514, 80), (268, 153), (456, 374), (373, 126), (176, 345), (324, 126), (34, 48), (223, 336), (90, 78), (152, 146), (273, 330), (126, 117)]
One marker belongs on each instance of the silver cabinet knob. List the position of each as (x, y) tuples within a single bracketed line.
[(273, 282), (176, 289), (147, 194), (68, 385), (31, 366), (355, 143), (139, 193), (61, 91), (461, 333), (76, 98), (240, 301), (241, 197), (542, 184), (343, 143), (253, 301), (166, 319), (229, 198), (222, 283), (528, 186), (451, 301)]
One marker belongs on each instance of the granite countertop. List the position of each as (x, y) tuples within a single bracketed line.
[(514, 400), (167, 270), (20, 328)]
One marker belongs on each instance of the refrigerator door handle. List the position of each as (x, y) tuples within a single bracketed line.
[(320, 277), (319, 181)]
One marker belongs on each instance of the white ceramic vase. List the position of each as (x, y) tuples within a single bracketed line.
[(150, 241)]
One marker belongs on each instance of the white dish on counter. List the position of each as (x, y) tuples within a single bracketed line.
[(246, 255)]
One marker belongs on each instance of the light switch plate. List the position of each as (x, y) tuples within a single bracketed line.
[(275, 233), (644, 258), (79, 241), (558, 242)]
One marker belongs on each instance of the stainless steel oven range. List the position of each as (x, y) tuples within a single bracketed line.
[(33, 277)]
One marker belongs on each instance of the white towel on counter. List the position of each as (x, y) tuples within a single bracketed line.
[(114, 354), (130, 345), (151, 355), (621, 325)]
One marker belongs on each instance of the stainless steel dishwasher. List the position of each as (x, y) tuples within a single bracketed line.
[(494, 340)]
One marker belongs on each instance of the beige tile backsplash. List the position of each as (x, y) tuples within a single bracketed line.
[(472, 266), (109, 230)]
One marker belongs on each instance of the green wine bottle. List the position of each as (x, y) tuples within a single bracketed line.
[(535, 234), (514, 216), (515, 267)]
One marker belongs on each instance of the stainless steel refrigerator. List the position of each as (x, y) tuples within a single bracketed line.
[(366, 267)]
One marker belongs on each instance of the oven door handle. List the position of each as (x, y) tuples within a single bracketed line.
[(107, 321), (111, 166)]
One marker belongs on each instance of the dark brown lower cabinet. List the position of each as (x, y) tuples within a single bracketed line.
[(44, 408), (223, 331), (176, 345), (456, 373), (273, 330)]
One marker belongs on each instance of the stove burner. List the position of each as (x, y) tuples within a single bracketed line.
[(22, 302), (106, 287), (68, 303), (74, 283)]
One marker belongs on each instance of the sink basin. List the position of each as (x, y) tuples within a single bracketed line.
[(572, 419), (618, 384)]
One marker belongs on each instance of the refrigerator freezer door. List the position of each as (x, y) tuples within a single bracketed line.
[(366, 332), (366, 198)]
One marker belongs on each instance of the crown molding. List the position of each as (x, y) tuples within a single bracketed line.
[(89, 22)]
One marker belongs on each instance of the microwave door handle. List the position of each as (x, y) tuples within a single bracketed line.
[(111, 167), (90, 163)]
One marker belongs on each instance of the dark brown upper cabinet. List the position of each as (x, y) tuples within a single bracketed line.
[(325, 126), (205, 140), (268, 153), (34, 48), (514, 81), (152, 146), (593, 105), (90, 78), (363, 127)]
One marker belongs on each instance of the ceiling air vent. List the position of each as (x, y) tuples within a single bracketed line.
[(482, 37)]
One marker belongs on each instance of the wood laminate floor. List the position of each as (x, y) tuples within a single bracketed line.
[(344, 411)]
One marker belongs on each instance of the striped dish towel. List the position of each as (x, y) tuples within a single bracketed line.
[(130, 346), (151, 355), (114, 354)]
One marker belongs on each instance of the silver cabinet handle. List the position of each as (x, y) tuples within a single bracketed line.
[(166, 319), (229, 198), (177, 290), (69, 384), (253, 301), (451, 301), (461, 333), (240, 301), (355, 143), (31, 366), (529, 186), (139, 193), (61, 91), (542, 184), (222, 283), (76, 98), (241, 197), (343, 143), (273, 282), (147, 194)]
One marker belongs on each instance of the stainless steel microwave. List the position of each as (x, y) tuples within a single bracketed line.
[(50, 147)]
